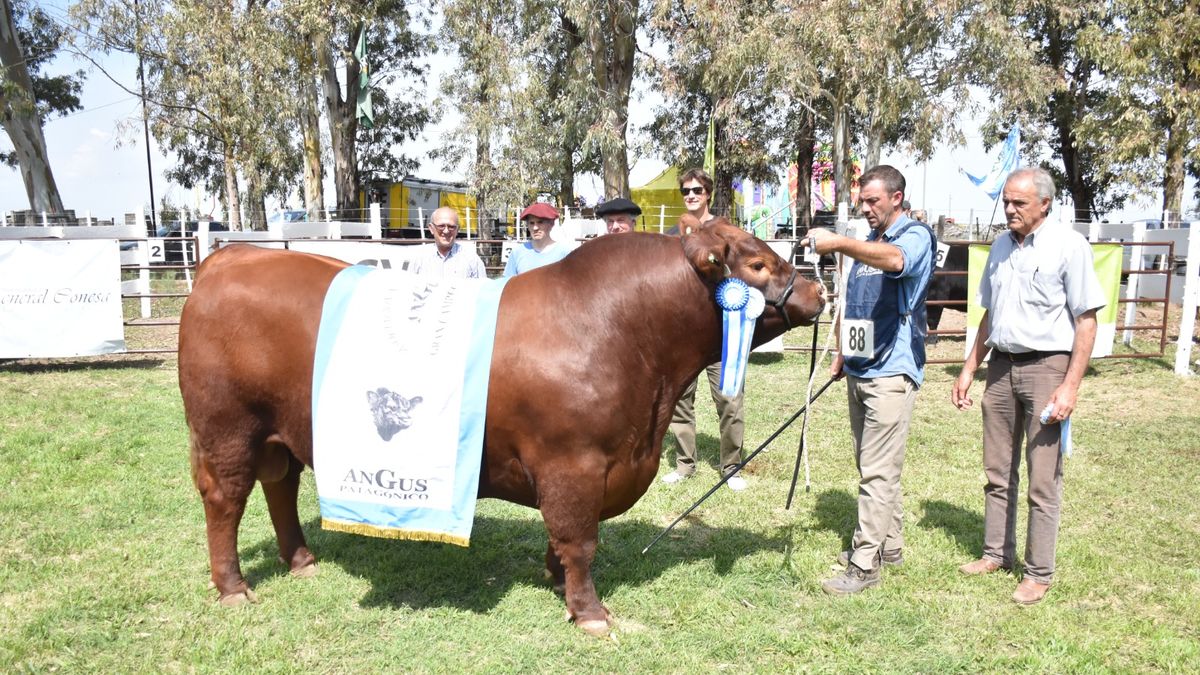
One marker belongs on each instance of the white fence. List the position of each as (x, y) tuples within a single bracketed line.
[(140, 252)]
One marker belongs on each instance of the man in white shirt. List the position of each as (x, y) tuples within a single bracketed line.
[(446, 258), (1040, 295)]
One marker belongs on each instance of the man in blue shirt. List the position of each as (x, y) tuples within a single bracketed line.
[(882, 353), (541, 249)]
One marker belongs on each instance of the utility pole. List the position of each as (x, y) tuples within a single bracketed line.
[(145, 123)]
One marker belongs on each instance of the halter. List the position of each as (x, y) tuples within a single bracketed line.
[(779, 302)]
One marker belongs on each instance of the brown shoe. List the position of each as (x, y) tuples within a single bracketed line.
[(1030, 592), (981, 566)]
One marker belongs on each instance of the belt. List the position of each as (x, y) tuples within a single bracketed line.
[(1018, 357)]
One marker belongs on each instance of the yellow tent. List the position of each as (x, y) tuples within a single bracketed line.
[(661, 202)]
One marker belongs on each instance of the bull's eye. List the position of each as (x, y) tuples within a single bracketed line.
[(758, 266)]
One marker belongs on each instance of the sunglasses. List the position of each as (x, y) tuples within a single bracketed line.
[(699, 190)]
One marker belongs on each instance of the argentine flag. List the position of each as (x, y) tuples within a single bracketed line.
[(1008, 161)]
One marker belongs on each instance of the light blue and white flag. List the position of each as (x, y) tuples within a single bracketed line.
[(1008, 161), (399, 402)]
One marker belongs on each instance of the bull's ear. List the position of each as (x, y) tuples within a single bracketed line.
[(707, 252)]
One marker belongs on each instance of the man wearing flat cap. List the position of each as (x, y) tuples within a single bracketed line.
[(620, 215), (541, 249)]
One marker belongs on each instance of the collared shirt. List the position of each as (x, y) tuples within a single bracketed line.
[(525, 257), (1034, 290), (916, 245), (460, 262)]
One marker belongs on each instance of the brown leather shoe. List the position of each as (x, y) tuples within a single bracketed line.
[(1030, 592), (981, 566)]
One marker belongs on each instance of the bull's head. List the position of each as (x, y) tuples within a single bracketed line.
[(717, 250)]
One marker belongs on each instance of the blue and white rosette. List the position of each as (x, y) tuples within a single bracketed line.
[(740, 306)]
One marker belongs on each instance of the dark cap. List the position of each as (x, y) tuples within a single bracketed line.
[(539, 210), (618, 205)]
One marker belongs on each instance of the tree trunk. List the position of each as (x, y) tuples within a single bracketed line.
[(722, 198), (805, 154), (874, 142), (483, 163), (343, 124), (612, 66), (1064, 124), (233, 203), (841, 151), (22, 122), (1173, 174), (256, 208), (310, 125)]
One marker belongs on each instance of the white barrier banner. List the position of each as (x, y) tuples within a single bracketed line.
[(383, 256), (60, 298)]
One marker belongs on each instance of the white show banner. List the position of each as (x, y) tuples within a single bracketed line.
[(60, 298)]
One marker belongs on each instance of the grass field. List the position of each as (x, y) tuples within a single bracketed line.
[(103, 566)]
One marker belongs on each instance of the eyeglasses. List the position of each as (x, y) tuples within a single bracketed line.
[(698, 190), (444, 228)]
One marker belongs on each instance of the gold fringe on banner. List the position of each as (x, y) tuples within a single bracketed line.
[(389, 533)]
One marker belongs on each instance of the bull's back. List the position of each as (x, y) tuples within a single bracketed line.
[(247, 337)]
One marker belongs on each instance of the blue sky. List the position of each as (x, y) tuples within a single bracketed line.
[(98, 156)]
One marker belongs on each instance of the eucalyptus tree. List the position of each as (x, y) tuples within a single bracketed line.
[(1149, 123), (396, 44), (29, 39), (713, 72), (604, 39), (508, 132), (216, 88)]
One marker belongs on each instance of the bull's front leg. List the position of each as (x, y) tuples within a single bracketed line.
[(572, 516)]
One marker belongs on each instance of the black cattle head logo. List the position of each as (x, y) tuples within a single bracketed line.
[(391, 411)]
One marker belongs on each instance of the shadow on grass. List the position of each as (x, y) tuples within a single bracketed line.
[(962, 525), (505, 553), (765, 358), (34, 366), (836, 511)]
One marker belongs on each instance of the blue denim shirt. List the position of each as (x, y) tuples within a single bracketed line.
[(916, 245)]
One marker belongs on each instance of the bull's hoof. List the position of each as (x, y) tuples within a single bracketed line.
[(595, 627), (305, 572), (238, 599)]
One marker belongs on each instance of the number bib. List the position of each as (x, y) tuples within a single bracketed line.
[(943, 250), (858, 337)]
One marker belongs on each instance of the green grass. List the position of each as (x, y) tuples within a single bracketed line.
[(103, 564)]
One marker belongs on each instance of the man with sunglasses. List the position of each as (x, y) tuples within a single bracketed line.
[(696, 187), (446, 258)]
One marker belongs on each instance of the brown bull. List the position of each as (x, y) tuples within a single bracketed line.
[(611, 336)]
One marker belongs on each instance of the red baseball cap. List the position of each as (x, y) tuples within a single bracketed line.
[(539, 210)]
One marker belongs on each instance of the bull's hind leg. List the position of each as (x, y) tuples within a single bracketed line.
[(573, 522), (224, 492), (554, 570), (281, 492)]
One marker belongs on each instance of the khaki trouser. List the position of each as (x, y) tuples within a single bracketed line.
[(729, 413), (880, 410), (1012, 403)]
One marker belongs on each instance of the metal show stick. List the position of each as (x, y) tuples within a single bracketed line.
[(738, 468)]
